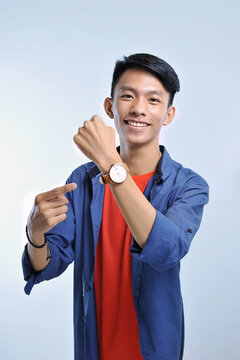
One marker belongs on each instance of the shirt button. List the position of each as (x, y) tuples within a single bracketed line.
[(189, 230)]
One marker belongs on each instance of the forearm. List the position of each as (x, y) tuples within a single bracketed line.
[(135, 208), (38, 256), (97, 142)]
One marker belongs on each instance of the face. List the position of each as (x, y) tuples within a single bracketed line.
[(139, 108)]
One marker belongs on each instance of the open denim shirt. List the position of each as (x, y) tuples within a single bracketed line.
[(178, 194)]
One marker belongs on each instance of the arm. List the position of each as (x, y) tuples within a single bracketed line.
[(160, 239), (136, 209), (49, 216), (174, 229), (97, 142)]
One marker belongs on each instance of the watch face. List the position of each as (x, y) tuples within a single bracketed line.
[(118, 173)]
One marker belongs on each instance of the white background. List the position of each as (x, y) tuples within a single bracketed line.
[(56, 62)]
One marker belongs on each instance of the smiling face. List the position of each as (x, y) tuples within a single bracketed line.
[(139, 108)]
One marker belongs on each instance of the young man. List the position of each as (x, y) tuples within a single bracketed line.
[(127, 219)]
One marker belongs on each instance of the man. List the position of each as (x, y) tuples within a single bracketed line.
[(127, 219)]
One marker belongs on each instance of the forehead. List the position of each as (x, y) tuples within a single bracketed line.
[(141, 80)]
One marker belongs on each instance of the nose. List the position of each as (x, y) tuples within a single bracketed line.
[(138, 107)]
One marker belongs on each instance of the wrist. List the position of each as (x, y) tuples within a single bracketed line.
[(104, 165), (36, 240)]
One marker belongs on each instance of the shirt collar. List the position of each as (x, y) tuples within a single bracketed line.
[(163, 169), (164, 166)]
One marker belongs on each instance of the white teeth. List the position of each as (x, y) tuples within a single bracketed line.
[(136, 124)]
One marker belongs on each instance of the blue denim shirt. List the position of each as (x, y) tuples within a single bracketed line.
[(178, 194)]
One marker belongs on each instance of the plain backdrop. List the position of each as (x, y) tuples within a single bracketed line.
[(56, 62)]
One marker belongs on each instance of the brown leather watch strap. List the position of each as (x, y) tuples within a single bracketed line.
[(105, 179)]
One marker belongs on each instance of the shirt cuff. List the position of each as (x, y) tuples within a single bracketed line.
[(35, 277), (165, 245)]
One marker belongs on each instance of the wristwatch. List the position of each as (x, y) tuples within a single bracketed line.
[(117, 174)]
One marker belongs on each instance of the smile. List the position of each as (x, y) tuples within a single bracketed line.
[(136, 123)]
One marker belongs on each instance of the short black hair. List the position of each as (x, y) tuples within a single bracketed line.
[(152, 64)]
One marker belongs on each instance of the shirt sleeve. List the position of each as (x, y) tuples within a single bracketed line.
[(173, 231), (61, 243)]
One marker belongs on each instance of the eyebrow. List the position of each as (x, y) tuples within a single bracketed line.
[(152, 92)]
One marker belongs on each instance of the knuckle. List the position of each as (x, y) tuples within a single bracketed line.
[(95, 118), (76, 139), (37, 199), (55, 192)]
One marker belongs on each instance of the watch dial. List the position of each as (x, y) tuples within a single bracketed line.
[(118, 173)]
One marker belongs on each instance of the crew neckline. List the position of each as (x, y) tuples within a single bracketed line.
[(143, 175)]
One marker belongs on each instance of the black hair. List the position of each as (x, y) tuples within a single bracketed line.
[(152, 64)]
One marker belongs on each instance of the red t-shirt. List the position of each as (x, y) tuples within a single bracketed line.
[(118, 335)]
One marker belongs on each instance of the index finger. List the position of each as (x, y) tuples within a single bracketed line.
[(53, 194)]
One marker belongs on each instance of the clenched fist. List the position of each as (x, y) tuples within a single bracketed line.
[(97, 141), (48, 210)]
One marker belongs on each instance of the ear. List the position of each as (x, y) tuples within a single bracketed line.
[(108, 107), (169, 116)]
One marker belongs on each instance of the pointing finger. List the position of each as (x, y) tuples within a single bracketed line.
[(55, 193)]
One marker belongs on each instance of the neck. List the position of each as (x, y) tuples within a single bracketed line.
[(140, 159)]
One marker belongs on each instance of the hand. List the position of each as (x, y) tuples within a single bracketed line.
[(48, 210), (97, 141)]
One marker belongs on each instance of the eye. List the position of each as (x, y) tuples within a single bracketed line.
[(126, 96), (154, 100)]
